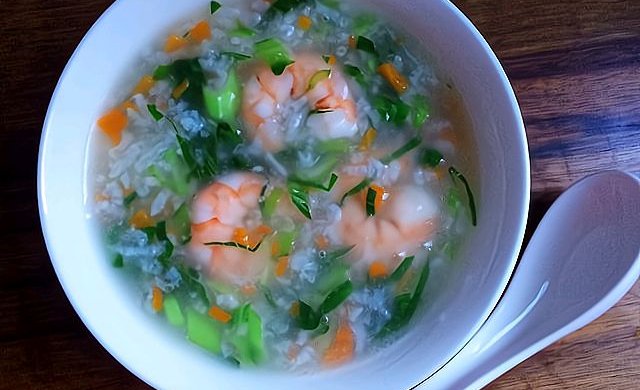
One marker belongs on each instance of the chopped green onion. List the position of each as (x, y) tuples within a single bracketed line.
[(354, 72), (268, 206), (309, 184), (285, 241), (472, 205), (357, 188), (118, 261), (274, 53), (256, 341), (365, 44), (317, 77), (155, 114), (402, 268), (300, 199), (236, 56), (391, 110), (172, 311), (371, 202), (308, 318), (203, 331), (405, 305), (130, 198), (430, 157), (242, 31), (214, 6), (336, 297), (162, 72), (421, 111), (235, 244), (410, 145), (223, 104)]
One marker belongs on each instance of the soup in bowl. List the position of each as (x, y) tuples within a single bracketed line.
[(306, 192)]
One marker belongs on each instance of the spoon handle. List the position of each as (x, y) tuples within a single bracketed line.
[(584, 256)]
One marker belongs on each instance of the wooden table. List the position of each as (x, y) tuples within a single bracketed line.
[(575, 67)]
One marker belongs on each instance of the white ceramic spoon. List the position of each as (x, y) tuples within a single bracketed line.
[(583, 257)]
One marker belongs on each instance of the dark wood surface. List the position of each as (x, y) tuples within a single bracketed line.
[(575, 67)]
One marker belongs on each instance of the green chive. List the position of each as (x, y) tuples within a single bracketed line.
[(472, 204), (371, 202), (214, 6), (162, 72), (402, 268), (305, 183), (413, 143), (336, 297), (365, 44), (354, 72), (235, 244), (357, 188), (161, 230), (308, 318), (130, 198), (155, 114), (300, 199), (431, 157), (236, 56)]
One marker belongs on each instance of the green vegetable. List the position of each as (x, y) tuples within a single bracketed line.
[(172, 311), (248, 340), (338, 254), (410, 145), (191, 71), (365, 44), (354, 72), (402, 268), (180, 223), (270, 203), (129, 198), (223, 105), (320, 170), (285, 240), (318, 77), (274, 53), (203, 331), (300, 199), (391, 110), (336, 297), (308, 318), (191, 282), (430, 157), (155, 114), (337, 145), (455, 174), (357, 188), (242, 31), (236, 245), (214, 6), (421, 111), (286, 5), (227, 136), (161, 230), (162, 72), (371, 202), (118, 261), (338, 274), (165, 256), (177, 177), (236, 56), (405, 305), (309, 184)]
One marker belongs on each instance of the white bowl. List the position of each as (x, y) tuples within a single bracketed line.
[(455, 305)]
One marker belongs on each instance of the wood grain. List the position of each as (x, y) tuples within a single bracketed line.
[(575, 67)]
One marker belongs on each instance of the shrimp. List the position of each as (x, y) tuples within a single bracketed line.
[(405, 218), (269, 101), (228, 211)]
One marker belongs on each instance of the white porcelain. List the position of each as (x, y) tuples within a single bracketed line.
[(457, 302), (583, 257)]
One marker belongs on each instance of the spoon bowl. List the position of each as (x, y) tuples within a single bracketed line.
[(583, 257)]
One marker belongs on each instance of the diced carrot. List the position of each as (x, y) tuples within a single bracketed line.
[(241, 236), (275, 248), (220, 315), (342, 347), (380, 195), (156, 299), (294, 310), (304, 22), (377, 269), (141, 220), (113, 124), (352, 41), (393, 77), (128, 105), (248, 289), (179, 90), (174, 43), (322, 242), (282, 265), (331, 60), (200, 32), (368, 138), (144, 85)]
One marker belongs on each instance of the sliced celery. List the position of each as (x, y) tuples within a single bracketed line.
[(203, 331), (172, 311), (223, 104)]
